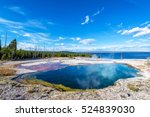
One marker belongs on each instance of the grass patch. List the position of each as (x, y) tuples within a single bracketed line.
[(33, 90), (7, 71), (133, 87), (46, 84)]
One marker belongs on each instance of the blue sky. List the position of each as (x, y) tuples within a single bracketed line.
[(77, 25)]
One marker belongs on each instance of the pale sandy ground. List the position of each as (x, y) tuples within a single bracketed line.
[(133, 88)]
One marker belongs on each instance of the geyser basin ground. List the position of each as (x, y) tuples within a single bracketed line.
[(91, 76)]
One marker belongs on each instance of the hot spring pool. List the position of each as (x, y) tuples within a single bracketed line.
[(87, 76)]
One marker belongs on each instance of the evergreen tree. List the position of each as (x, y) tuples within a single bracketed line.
[(13, 47), (11, 53), (0, 45)]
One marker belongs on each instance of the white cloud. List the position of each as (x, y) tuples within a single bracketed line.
[(143, 31), (50, 23), (130, 41), (59, 44), (14, 31), (16, 9), (137, 31), (26, 35), (129, 45), (145, 23), (98, 12), (75, 38), (87, 19), (38, 37), (87, 41), (34, 37), (26, 46), (78, 38), (22, 25), (120, 25), (36, 24), (61, 38), (11, 24)]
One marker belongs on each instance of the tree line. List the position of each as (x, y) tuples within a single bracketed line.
[(10, 52)]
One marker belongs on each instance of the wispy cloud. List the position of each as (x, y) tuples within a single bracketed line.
[(33, 37), (137, 31), (87, 41), (75, 38), (61, 38), (26, 46), (87, 19), (36, 24), (21, 25), (129, 45), (11, 24), (83, 41), (98, 12), (142, 30), (120, 25), (38, 37), (26, 35), (59, 44), (32, 41), (145, 23), (16, 9)]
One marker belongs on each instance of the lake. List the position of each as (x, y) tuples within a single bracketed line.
[(123, 55)]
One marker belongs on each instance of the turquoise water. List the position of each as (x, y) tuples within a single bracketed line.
[(87, 76)]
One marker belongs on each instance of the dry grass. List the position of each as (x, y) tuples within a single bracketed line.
[(32, 90), (133, 87), (4, 71), (46, 84)]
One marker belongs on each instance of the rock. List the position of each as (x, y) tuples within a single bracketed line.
[(18, 96), (1, 91), (128, 94)]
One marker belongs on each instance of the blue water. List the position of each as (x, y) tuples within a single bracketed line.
[(123, 55), (87, 76)]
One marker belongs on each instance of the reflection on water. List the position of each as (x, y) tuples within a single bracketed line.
[(87, 76)]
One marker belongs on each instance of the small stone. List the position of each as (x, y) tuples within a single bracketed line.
[(1, 91), (18, 96), (43, 96), (128, 94), (123, 96), (50, 91)]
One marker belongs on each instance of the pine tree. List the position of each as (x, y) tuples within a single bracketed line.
[(0, 45), (13, 47)]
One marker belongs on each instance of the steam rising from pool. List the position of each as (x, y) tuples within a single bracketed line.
[(87, 76)]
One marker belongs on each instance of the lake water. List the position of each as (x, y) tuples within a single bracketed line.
[(87, 76), (123, 55)]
